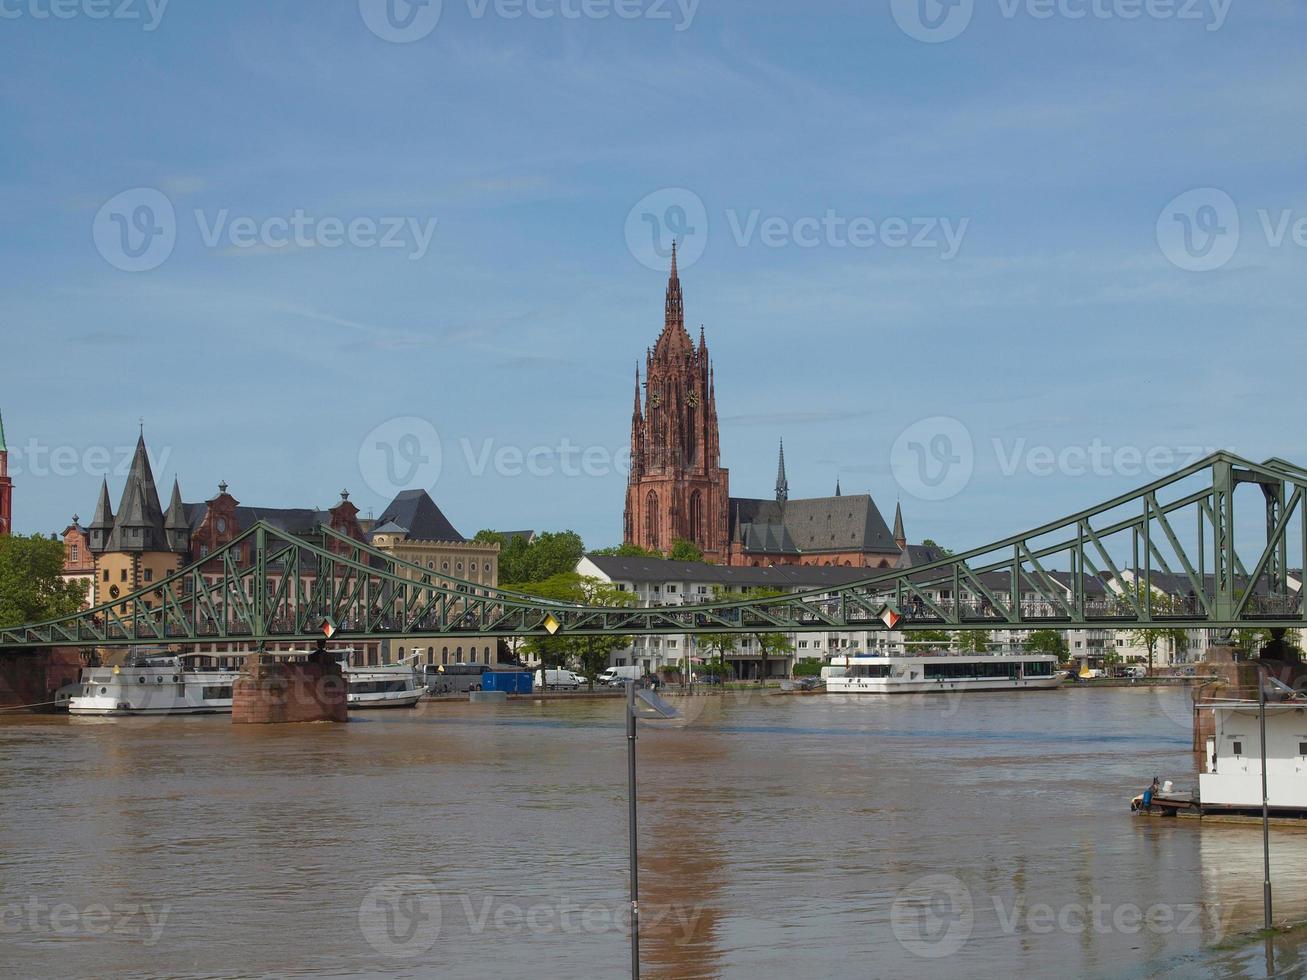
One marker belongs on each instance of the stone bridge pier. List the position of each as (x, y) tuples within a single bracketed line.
[(29, 678), (275, 690)]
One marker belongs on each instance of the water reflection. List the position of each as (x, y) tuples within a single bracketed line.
[(962, 837)]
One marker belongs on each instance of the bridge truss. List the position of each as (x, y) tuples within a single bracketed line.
[(1164, 555)]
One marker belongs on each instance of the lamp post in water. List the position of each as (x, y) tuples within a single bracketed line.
[(1266, 809), (639, 704)]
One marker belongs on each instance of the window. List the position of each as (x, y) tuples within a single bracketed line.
[(122, 575), (149, 575), (1238, 748), (75, 552), (106, 574), (444, 655), (1302, 748), (474, 655), (671, 588)]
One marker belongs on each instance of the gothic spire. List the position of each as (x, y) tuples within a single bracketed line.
[(3, 447), (782, 484), (637, 389), (837, 487), (103, 511), (675, 303), (900, 538)]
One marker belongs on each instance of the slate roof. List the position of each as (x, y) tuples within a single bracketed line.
[(139, 525), (814, 524), (415, 510)]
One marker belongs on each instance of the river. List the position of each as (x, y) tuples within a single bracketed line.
[(977, 835)]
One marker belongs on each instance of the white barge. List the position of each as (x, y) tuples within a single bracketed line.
[(942, 672)]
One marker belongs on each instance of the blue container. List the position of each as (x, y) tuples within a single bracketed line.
[(508, 681)]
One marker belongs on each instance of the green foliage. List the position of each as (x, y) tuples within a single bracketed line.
[(626, 551), (32, 589), (972, 641), (1151, 636), (1046, 641), (808, 668), (551, 553), (683, 550), (926, 637), (931, 543), (588, 655)]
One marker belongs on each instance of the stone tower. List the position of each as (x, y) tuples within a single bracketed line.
[(677, 487), (6, 487)]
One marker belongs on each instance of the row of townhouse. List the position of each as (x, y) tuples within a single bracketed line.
[(656, 581)]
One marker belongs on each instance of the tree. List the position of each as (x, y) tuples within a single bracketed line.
[(1149, 637), (626, 551), (32, 588), (589, 654), (769, 644), (928, 637), (972, 641), (550, 553), (683, 550), (1046, 641), (932, 543)]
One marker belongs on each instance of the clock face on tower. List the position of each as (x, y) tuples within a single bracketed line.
[(693, 399), (656, 399)]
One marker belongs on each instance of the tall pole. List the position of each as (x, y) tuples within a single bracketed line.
[(631, 830), (1266, 810)]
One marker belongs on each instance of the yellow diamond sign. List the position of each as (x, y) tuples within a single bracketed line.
[(552, 624)]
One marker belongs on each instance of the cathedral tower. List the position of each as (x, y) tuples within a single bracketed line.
[(6, 487), (677, 487)]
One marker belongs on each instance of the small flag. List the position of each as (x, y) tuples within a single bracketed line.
[(890, 618), (552, 625)]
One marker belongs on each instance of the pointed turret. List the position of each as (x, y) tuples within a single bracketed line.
[(176, 526), (637, 391), (102, 525), (900, 538), (139, 524), (837, 487), (782, 484), (675, 302), (3, 448)]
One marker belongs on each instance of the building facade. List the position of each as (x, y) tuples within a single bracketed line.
[(678, 488), (142, 543)]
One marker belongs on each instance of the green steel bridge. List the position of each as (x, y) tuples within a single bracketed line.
[(1168, 547)]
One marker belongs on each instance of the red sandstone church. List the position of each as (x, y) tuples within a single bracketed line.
[(679, 489)]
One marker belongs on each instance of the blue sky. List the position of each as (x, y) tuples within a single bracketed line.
[(1053, 146)]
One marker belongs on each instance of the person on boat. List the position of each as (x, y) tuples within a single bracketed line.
[(1149, 794)]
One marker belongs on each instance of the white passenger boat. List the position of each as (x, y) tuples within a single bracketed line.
[(163, 685), (152, 686), (386, 686), (942, 672)]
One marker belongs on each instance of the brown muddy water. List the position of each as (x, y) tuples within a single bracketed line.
[(977, 835)]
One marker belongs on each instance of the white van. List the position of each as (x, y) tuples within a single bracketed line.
[(614, 676), (560, 680)]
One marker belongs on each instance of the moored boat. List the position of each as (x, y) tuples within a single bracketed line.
[(943, 672)]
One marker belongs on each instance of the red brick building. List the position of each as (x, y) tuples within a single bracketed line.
[(6, 487), (679, 489)]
